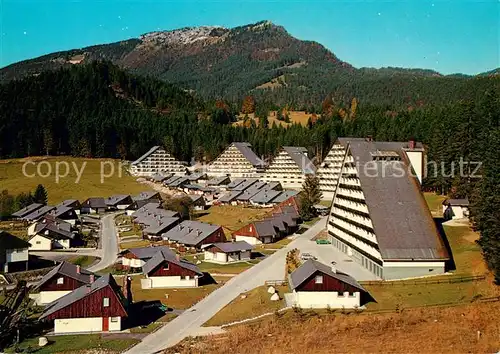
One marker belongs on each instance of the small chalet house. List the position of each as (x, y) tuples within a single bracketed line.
[(316, 285), (137, 257), (13, 252), (268, 230), (20, 214), (38, 213), (94, 206), (197, 202), (148, 195), (194, 234), (118, 202), (95, 307), (227, 252), (65, 213), (456, 209), (167, 270), (72, 203), (60, 281), (52, 233)]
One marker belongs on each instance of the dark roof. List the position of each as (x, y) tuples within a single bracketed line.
[(247, 152), (27, 210), (161, 176), (117, 199), (229, 197), (8, 241), (235, 182), (153, 149), (78, 294), (179, 182), (146, 195), (401, 219), (39, 213), (228, 247), (245, 184), (307, 269), (145, 253), (171, 179), (70, 202), (69, 270), (197, 199), (58, 229), (284, 196), (196, 176), (218, 181), (61, 210), (299, 156), (265, 196), (94, 203), (190, 232), (457, 202), (156, 228), (171, 257), (265, 228)]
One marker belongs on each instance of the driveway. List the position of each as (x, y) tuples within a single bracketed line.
[(271, 268), (109, 243)]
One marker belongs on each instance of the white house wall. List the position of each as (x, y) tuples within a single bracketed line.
[(233, 163), (46, 297), (40, 243), (19, 255), (325, 299), (132, 262), (172, 282), (74, 325), (248, 239)]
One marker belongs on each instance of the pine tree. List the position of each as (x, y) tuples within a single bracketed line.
[(309, 196), (40, 195)]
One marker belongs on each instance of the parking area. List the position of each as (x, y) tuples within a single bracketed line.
[(326, 253)]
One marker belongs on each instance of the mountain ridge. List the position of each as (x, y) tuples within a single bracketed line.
[(229, 63)]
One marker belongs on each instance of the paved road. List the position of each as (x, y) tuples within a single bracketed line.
[(109, 243), (271, 268)]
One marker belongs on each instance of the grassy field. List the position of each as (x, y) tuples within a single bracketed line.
[(15, 228), (79, 344), (233, 268), (434, 330), (257, 302), (181, 298), (13, 179), (231, 218), (434, 202), (468, 260), (298, 117), (134, 244), (83, 261)]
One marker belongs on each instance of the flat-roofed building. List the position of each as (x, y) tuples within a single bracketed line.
[(157, 160), (290, 167), (238, 160)]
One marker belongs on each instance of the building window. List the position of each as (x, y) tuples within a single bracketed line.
[(115, 319), (165, 266), (318, 279), (339, 294), (38, 242), (60, 281), (105, 302)]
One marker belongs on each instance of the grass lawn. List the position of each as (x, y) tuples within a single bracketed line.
[(327, 203), (181, 298), (89, 185), (148, 329), (277, 245), (82, 261), (133, 244), (232, 218), (79, 344), (232, 268), (257, 302), (312, 221), (434, 202), (468, 260)]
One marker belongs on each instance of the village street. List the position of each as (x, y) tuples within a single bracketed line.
[(271, 268)]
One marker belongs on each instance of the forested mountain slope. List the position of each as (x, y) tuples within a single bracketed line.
[(264, 60)]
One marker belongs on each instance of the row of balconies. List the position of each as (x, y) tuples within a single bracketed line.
[(360, 207), (354, 217), (354, 229), (367, 248)]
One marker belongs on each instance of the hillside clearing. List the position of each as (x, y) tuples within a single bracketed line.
[(15, 181)]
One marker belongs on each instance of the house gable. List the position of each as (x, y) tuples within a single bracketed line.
[(328, 283), (54, 283), (92, 305), (170, 269)]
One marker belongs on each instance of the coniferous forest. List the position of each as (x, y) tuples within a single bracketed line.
[(99, 110)]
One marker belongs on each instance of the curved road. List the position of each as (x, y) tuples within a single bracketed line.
[(109, 243), (271, 268)]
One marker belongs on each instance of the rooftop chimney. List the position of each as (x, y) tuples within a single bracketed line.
[(411, 144), (178, 257), (77, 269), (92, 278), (334, 268)]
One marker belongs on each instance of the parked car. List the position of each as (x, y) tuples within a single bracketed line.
[(307, 256), (323, 242)]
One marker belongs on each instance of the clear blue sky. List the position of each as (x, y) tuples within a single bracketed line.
[(447, 36)]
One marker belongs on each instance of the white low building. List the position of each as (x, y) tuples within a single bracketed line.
[(157, 160), (13, 252), (456, 209), (167, 270), (316, 285), (227, 252), (290, 167)]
